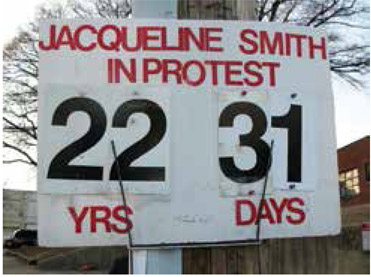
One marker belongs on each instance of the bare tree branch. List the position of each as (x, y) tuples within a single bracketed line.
[(18, 161), (31, 161), (347, 24), (19, 128)]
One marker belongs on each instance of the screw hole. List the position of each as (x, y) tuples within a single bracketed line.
[(292, 186)]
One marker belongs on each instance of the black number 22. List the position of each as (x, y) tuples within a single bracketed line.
[(60, 167)]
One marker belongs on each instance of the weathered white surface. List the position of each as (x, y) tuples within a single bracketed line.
[(196, 203)]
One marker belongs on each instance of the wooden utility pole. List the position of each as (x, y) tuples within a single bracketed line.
[(217, 9), (171, 261), (212, 10)]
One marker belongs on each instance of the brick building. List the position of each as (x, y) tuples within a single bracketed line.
[(354, 181), (354, 172)]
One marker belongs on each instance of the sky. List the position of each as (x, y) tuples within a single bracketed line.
[(352, 107), (14, 13)]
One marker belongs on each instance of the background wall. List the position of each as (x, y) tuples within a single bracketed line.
[(356, 155), (19, 210)]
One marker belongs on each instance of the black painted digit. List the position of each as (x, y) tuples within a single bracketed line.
[(251, 139), (60, 167), (292, 121), (153, 137)]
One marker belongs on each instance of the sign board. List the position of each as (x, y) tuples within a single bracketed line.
[(202, 113)]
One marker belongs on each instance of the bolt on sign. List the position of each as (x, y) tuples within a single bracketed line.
[(203, 114)]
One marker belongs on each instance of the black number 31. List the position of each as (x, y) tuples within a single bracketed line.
[(292, 121)]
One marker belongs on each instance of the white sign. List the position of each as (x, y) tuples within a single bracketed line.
[(203, 114)]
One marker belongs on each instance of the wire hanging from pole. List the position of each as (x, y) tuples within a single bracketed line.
[(260, 209), (130, 242)]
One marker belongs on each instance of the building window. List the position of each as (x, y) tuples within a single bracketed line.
[(349, 183), (367, 171)]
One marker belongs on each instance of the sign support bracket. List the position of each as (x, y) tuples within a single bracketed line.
[(130, 240)]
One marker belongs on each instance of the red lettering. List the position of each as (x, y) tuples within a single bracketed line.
[(266, 212), (278, 209), (210, 38), (244, 221), (65, 38), (185, 73), (257, 75), (275, 47), (77, 34), (147, 37), (176, 71), (109, 70), (103, 215), (271, 210), (299, 41), (300, 213), (52, 45), (321, 47), (188, 35), (130, 74), (78, 218), (113, 44), (125, 40), (229, 72), (272, 73), (147, 70), (288, 45), (164, 43), (104, 219), (214, 70), (253, 45), (123, 219)]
